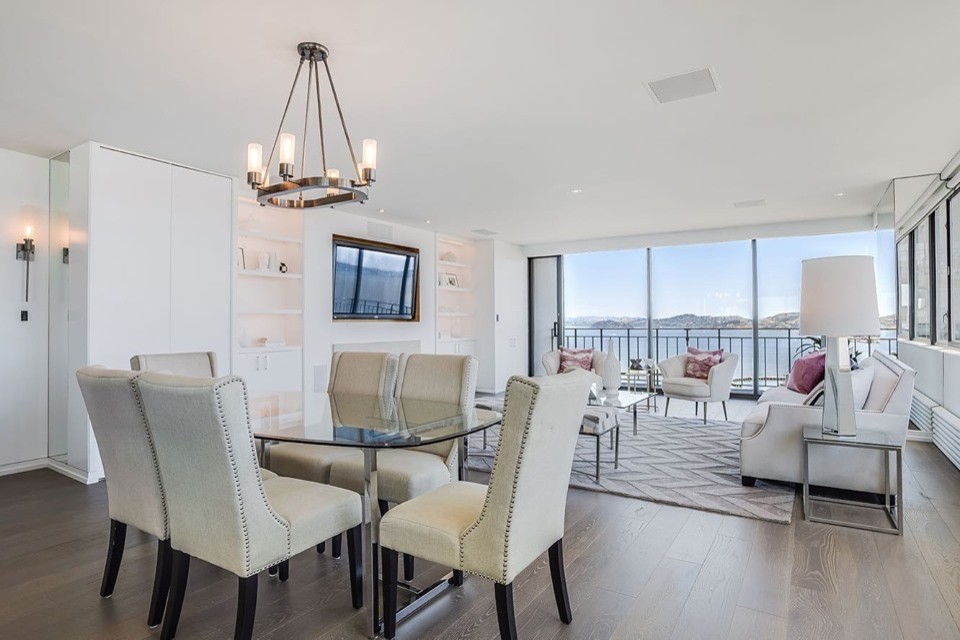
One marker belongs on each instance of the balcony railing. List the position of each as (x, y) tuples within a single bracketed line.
[(777, 348)]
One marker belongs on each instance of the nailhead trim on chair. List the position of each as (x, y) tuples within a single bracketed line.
[(236, 473), (502, 579), (153, 454)]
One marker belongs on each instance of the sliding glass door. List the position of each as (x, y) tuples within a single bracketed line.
[(546, 303)]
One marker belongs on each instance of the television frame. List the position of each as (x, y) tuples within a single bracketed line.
[(383, 247)]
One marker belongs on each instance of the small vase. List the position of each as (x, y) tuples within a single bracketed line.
[(610, 369)]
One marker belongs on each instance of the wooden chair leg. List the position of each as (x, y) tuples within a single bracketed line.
[(337, 544), (118, 536), (409, 570), (457, 578), (724, 403), (390, 566), (178, 587), (284, 570), (355, 560), (161, 583), (505, 615), (704, 413), (559, 579), (666, 409), (321, 547), (247, 607), (696, 408), (272, 570)]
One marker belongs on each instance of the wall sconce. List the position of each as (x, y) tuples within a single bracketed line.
[(25, 252)]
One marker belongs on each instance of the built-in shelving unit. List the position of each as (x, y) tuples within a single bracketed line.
[(268, 307), (456, 303)]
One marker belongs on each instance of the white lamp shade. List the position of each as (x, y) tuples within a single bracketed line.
[(838, 297)]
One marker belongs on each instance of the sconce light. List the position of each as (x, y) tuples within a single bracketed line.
[(25, 252)]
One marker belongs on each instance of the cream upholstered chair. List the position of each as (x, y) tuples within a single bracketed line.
[(351, 372), (406, 473), (716, 388), (220, 509), (200, 364), (134, 492), (498, 530)]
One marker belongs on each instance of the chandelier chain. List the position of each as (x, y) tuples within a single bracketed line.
[(343, 123), (276, 140)]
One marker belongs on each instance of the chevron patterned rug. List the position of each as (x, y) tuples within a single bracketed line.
[(678, 461)]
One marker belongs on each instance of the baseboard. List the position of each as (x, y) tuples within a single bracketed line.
[(73, 473), (21, 467), (919, 436)]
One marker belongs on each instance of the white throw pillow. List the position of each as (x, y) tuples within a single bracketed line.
[(862, 381)]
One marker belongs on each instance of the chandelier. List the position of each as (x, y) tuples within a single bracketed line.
[(307, 192)]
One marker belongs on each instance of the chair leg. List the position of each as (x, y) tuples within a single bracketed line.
[(505, 616), (559, 578), (355, 560), (272, 570), (457, 578), (666, 409), (284, 570), (390, 566), (704, 413), (118, 536), (178, 587), (747, 481), (408, 567), (337, 543), (724, 403), (161, 583), (321, 547), (246, 607)]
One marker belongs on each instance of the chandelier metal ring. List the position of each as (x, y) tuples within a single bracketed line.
[(277, 195)]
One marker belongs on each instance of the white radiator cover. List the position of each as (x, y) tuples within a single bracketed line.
[(946, 434)]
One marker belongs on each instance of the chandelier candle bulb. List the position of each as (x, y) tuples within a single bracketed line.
[(369, 162), (335, 175), (288, 149), (254, 163)]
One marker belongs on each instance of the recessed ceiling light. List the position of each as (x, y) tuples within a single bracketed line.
[(839, 194), (382, 210), (427, 221), (576, 190)]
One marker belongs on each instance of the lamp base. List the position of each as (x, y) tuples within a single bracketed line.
[(838, 413)]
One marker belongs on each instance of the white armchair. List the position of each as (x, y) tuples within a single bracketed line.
[(716, 388), (771, 436)]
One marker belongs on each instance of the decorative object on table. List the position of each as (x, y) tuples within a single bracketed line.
[(449, 256), (838, 299), (263, 261), (610, 369), (283, 267), (26, 252), (289, 192), (449, 280), (241, 258)]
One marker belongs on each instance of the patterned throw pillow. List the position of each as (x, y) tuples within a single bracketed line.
[(699, 365), (714, 352), (807, 372), (575, 359)]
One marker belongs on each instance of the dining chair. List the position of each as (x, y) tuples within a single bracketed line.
[(406, 473), (351, 372), (200, 364), (220, 509), (498, 530), (134, 492)]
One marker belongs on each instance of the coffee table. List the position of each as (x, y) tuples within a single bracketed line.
[(622, 400)]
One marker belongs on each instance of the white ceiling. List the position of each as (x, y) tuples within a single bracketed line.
[(488, 113)]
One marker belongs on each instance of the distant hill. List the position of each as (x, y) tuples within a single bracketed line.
[(786, 320)]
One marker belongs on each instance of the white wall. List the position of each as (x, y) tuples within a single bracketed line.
[(502, 335), (320, 331), (23, 366)]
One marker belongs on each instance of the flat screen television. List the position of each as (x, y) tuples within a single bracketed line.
[(375, 280)]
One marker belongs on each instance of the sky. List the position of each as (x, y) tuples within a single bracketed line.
[(714, 279)]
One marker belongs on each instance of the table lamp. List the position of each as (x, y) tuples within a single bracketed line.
[(838, 299)]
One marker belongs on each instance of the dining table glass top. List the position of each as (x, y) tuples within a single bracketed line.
[(365, 421)]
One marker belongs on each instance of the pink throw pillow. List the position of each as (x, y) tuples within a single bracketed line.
[(713, 352), (575, 359), (807, 372), (699, 365)]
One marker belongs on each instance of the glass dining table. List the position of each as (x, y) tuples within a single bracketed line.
[(369, 424)]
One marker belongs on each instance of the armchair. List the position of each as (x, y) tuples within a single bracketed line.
[(716, 388)]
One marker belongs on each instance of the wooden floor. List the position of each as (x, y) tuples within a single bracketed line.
[(635, 569)]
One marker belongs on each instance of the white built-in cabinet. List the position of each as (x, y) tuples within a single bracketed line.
[(456, 296), (149, 272)]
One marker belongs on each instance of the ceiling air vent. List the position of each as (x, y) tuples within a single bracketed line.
[(685, 85), (746, 204), (484, 232)]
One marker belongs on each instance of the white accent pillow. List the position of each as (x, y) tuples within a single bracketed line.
[(862, 381)]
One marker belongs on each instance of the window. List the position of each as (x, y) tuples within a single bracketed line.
[(921, 280), (702, 296), (941, 274), (904, 294), (954, 253)]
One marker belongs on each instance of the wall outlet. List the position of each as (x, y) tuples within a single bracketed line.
[(24, 316), (513, 342)]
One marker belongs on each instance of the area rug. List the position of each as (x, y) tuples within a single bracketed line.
[(678, 461)]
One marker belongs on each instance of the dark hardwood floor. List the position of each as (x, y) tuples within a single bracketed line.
[(635, 570)]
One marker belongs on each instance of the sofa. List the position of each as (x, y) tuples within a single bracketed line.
[(771, 436), (715, 388)]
